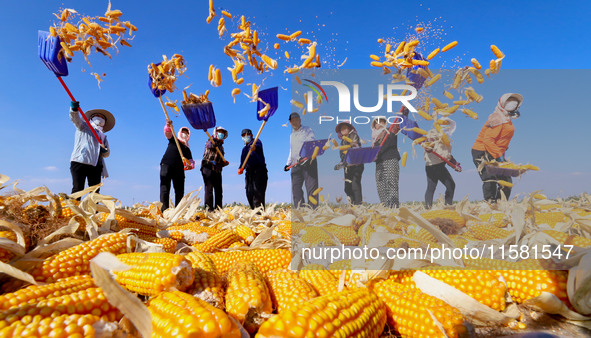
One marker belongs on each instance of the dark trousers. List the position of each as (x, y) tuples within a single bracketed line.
[(353, 183), (212, 180), (490, 190), (177, 176), (256, 186), (81, 172), (303, 174), (439, 173)]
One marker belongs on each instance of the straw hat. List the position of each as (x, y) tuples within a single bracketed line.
[(337, 129), (105, 114)]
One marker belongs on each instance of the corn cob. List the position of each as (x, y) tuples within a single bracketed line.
[(288, 290), (351, 313), (445, 214), (315, 234), (152, 273), (497, 51), (90, 301), (221, 240), (247, 297), (322, 280), (168, 244), (266, 260), (449, 46), (423, 236), (497, 219), (74, 325), (404, 156), (6, 255), (177, 314), (567, 239), (75, 260), (433, 53), (35, 293), (481, 285), (408, 312), (209, 284), (143, 231), (245, 233), (551, 218), (486, 232), (526, 279)]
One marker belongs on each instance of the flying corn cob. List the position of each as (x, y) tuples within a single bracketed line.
[(469, 113), (497, 51), (266, 260), (179, 314), (312, 200), (504, 183), (418, 130), (152, 273), (288, 290), (247, 297), (317, 191), (35, 293), (433, 54), (220, 240), (209, 284), (245, 233), (315, 153), (66, 325), (75, 260), (432, 80), (476, 63), (449, 46), (481, 285), (404, 156), (322, 280), (448, 95), (425, 115), (409, 312), (351, 313), (91, 301)]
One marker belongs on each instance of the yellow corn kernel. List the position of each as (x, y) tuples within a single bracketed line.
[(276, 46), (449, 46), (419, 29)]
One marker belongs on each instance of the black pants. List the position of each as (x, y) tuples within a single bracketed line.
[(303, 174), (177, 176), (490, 190), (353, 183), (81, 172), (212, 180), (439, 173), (256, 186)]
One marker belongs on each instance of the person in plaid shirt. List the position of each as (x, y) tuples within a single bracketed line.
[(211, 168)]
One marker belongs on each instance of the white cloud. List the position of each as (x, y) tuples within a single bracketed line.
[(50, 168)]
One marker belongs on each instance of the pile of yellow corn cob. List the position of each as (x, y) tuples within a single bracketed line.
[(227, 273)]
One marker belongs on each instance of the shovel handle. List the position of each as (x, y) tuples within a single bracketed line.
[(216, 148), (445, 160), (250, 150), (81, 112), (173, 132)]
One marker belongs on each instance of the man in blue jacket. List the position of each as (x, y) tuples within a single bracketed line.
[(256, 170)]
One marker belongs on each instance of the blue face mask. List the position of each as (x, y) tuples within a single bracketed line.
[(221, 136), (246, 138)]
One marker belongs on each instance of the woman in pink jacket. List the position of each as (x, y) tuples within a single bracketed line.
[(172, 167)]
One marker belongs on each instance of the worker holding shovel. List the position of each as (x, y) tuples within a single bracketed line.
[(87, 160), (492, 142), (301, 173), (172, 167), (256, 170), (211, 168), (436, 152)]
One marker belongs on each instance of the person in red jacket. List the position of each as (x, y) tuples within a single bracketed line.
[(493, 141)]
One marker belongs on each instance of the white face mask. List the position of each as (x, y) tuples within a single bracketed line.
[(98, 121)]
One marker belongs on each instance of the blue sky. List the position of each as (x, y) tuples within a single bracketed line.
[(36, 136)]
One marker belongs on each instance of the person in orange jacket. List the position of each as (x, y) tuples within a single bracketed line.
[(493, 141)]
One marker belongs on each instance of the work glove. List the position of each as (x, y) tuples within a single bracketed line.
[(286, 168), (340, 166), (225, 163), (104, 150), (458, 168), (75, 105), (500, 159)]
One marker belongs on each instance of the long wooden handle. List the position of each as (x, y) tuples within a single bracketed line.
[(81, 112), (250, 150), (178, 146), (216, 148)]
